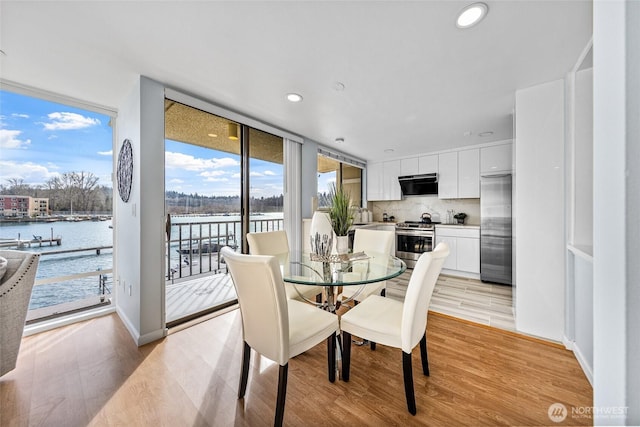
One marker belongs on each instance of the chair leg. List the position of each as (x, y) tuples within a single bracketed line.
[(244, 372), (346, 355), (372, 345), (282, 394), (331, 356), (408, 383), (423, 355)]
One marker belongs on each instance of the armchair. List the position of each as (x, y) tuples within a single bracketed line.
[(15, 292)]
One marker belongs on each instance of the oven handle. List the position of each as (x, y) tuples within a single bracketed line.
[(414, 233)]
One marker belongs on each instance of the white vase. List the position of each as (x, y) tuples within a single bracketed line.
[(342, 244)]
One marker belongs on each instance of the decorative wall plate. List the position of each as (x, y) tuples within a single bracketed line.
[(125, 170)]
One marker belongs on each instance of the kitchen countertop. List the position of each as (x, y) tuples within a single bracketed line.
[(471, 226)]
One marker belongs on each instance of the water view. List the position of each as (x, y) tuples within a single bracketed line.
[(189, 234)]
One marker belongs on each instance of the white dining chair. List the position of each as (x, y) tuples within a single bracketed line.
[(397, 324), (274, 326), (365, 240), (276, 243)]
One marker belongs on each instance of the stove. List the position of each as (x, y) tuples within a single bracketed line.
[(413, 238)]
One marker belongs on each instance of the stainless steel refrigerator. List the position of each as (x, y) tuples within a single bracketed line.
[(495, 229)]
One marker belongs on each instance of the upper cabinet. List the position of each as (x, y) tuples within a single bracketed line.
[(496, 159), (469, 174), (409, 166), (374, 181), (458, 174), (382, 181), (428, 164)]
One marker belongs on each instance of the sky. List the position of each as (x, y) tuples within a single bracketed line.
[(41, 139)]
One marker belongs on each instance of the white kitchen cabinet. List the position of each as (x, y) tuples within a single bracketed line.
[(448, 176), (468, 254), (428, 164), (496, 159), (469, 174), (458, 174), (374, 181), (390, 185), (409, 166), (464, 248), (450, 263), (382, 181)]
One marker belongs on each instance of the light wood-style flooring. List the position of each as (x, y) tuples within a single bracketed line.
[(91, 373)]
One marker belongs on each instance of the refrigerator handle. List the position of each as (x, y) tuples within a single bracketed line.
[(496, 176)]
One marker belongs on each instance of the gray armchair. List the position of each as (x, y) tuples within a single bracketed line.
[(15, 292)]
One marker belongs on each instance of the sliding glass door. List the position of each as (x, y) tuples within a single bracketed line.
[(223, 179)]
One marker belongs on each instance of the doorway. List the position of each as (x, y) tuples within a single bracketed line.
[(223, 179)]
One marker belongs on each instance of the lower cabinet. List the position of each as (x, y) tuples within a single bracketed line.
[(464, 247)]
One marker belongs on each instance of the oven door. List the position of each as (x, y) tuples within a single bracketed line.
[(410, 244)]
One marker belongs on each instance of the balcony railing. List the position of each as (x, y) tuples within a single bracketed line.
[(194, 250), (195, 247)]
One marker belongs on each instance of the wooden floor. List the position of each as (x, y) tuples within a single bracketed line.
[(91, 373)]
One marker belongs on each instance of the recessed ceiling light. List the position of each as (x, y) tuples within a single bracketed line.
[(212, 135), (487, 133), (233, 131), (389, 150), (294, 97), (2, 52), (339, 140), (471, 15), (338, 86)]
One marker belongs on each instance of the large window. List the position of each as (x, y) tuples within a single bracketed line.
[(223, 179), (56, 199), (343, 174)]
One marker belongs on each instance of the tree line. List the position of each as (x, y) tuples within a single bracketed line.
[(80, 192), (181, 203), (69, 192)]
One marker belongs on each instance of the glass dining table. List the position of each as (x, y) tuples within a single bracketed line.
[(335, 271)]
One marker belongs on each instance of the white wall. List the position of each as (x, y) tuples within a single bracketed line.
[(616, 270), (539, 203), (139, 226)]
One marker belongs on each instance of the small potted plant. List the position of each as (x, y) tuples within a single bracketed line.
[(341, 216), (460, 216)]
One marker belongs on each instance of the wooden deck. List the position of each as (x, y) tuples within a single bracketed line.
[(187, 297)]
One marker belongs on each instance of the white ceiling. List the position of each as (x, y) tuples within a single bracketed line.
[(413, 81)]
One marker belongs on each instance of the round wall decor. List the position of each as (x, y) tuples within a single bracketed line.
[(125, 170)]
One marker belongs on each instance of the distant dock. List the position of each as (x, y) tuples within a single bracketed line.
[(37, 241)]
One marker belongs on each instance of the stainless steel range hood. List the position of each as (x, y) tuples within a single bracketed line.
[(419, 185)]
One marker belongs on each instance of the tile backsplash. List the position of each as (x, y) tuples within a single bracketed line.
[(411, 208)]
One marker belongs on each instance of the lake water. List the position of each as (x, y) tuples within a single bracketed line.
[(88, 234)]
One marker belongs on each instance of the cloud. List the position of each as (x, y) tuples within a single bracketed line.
[(9, 139), (212, 179), (69, 121), (188, 162), (29, 172), (212, 174), (255, 174), (270, 173), (20, 116), (106, 153), (176, 181)]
